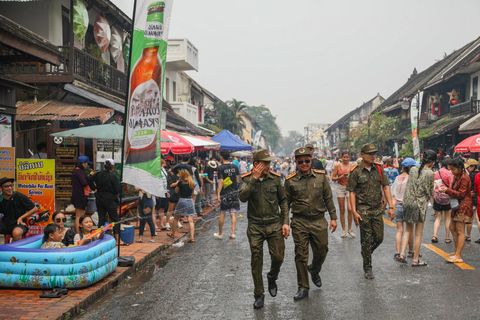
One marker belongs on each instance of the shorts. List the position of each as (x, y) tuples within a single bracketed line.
[(462, 217), (342, 191), (8, 229), (441, 207), (185, 207), (230, 203), (79, 201), (399, 212)]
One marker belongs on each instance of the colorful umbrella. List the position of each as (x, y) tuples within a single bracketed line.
[(102, 32), (471, 144), (115, 44), (126, 48), (80, 19), (178, 145)]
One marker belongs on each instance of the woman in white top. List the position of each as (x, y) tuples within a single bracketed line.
[(398, 191)]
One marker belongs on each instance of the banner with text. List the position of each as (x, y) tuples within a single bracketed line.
[(256, 139), (142, 153), (7, 162), (415, 107)]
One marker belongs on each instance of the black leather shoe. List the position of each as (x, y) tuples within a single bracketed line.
[(258, 304), (301, 294), (369, 275), (272, 287), (315, 277)]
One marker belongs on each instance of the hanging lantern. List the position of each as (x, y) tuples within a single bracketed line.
[(80, 20), (102, 32), (115, 44), (126, 48)]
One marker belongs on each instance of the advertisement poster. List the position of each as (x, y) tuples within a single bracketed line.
[(142, 151), (36, 180), (415, 107), (5, 130), (256, 139), (7, 162)]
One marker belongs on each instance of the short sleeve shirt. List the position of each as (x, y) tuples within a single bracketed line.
[(15, 207), (231, 171)]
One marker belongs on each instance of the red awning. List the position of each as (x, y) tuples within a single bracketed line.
[(178, 146)]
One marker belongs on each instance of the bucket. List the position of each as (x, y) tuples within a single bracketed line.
[(127, 233)]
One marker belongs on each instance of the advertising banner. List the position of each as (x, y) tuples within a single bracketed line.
[(256, 139), (7, 162), (142, 151), (415, 107), (36, 180)]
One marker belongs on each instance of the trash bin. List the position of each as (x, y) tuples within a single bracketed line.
[(127, 233)]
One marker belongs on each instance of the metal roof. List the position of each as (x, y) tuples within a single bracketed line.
[(53, 110)]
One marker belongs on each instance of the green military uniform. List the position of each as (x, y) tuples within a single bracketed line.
[(367, 185), (267, 211), (309, 196)]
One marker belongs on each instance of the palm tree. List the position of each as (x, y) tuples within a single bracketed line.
[(237, 123)]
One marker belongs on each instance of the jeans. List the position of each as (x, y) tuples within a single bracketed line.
[(144, 204), (208, 193)]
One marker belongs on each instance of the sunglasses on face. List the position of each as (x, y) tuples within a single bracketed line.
[(302, 161), (7, 186), (61, 220)]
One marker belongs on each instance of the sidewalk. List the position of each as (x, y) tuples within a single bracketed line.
[(26, 304)]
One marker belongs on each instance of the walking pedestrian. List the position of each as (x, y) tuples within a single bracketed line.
[(80, 189), (309, 195), (418, 193), (471, 168), (398, 192), (208, 182), (365, 184), (185, 207), (267, 215), (145, 209), (463, 213), (227, 193), (329, 167), (340, 174), (441, 201), (107, 196), (391, 171), (242, 166), (173, 197)]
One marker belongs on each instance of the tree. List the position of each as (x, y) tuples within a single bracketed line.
[(289, 143), (267, 122), (228, 116)]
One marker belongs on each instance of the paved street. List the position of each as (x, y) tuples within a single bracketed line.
[(211, 280)]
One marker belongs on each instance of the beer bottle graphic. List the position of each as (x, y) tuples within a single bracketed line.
[(144, 114)]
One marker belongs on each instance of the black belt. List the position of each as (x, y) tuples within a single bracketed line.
[(311, 218)]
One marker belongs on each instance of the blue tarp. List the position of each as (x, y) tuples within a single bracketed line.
[(229, 141)]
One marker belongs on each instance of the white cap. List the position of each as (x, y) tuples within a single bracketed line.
[(111, 161)]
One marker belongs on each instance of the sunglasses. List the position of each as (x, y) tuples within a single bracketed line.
[(7, 186), (302, 161), (61, 220)]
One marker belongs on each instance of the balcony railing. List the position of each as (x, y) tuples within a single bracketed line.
[(464, 108)]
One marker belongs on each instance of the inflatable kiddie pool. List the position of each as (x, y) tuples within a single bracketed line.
[(24, 265)]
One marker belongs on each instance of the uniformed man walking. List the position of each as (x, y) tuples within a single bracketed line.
[(309, 196), (366, 182), (267, 220)]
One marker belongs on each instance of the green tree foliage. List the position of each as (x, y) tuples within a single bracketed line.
[(228, 116), (289, 143), (267, 123)]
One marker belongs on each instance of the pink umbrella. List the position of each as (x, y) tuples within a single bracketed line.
[(471, 144), (178, 145)]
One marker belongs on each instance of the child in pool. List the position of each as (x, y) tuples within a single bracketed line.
[(86, 226), (52, 237)]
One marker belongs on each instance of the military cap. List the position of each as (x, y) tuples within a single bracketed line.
[(368, 148), (262, 155), (302, 152), (309, 146)]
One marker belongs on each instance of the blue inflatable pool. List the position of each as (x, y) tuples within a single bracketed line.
[(24, 265)]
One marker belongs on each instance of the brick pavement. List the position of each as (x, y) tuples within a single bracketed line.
[(26, 304)]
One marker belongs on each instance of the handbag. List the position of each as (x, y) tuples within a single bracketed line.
[(454, 203)]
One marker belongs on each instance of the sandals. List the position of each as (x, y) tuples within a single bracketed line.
[(125, 244), (396, 256), (468, 239), (410, 254), (450, 241), (171, 235), (139, 241), (434, 239), (419, 263), (55, 293), (452, 259), (190, 241), (477, 241), (401, 259)]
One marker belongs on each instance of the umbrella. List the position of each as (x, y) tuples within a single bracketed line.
[(110, 131), (126, 48), (115, 45), (102, 32), (178, 145), (80, 19), (471, 144)]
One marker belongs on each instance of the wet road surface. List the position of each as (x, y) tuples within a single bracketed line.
[(211, 279)]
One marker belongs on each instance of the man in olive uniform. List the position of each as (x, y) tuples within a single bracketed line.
[(366, 182), (265, 195), (309, 195)]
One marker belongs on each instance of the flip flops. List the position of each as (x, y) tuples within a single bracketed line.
[(170, 235), (452, 259), (55, 293), (419, 263), (401, 259), (434, 239)]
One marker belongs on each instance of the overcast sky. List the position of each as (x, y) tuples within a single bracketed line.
[(312, 61)]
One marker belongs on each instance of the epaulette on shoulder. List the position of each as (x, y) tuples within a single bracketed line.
[(275, 173), (246, 174), (379, 163), (354, 167), (291, 175), (318, 171)]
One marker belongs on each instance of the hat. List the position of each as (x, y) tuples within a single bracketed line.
[(212, 164), (471, 162), (262, 155), (302, 152), (309, 146), (83, 159), (409, 162), (5, 179), (368, 148), (170, 158), (110, 161)]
